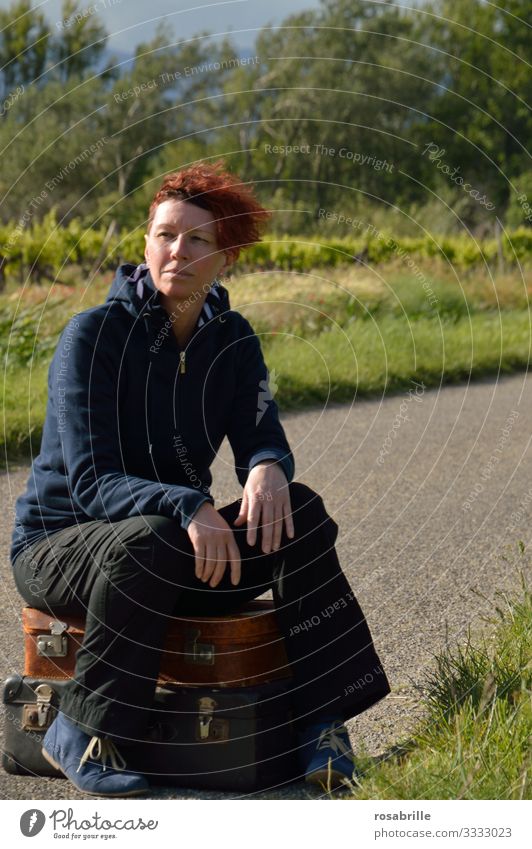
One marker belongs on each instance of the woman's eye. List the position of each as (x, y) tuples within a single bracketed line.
[(199, 239)]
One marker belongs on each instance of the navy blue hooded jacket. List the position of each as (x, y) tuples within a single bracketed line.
[(133, 422)]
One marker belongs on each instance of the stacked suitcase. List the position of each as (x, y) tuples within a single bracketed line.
[(221, 714)]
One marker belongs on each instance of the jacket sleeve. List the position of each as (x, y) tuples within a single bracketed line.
[(83, 385), (255, 432)]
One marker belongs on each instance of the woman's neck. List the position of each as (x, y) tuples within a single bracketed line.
[(184, 317)]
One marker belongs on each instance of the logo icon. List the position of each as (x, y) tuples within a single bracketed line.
[(269, 389), (32, 822)]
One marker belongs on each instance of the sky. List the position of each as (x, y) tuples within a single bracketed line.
[(131, 21)]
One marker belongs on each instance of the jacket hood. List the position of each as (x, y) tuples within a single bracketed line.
[(134, 288)]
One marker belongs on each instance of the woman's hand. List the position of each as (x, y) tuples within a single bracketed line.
[(266, 494), (214, 546)]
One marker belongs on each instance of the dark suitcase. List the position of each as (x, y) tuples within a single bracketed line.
[(239, 740), (219, 739), (238, 650)]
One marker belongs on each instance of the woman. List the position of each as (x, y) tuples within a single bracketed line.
[(118, 522)]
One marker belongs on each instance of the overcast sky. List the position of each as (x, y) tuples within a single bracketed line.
[(131, 21)]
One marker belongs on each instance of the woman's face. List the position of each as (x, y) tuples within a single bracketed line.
[(182, 252)]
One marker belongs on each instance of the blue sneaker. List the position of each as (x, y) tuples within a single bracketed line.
[(326, 754), (83, 759)]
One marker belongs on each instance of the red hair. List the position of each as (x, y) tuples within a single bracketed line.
[(237, 213)]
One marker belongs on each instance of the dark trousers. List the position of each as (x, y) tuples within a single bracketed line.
[(129, 577)]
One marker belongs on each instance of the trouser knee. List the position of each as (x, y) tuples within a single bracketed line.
[(154, 544), (308, 509)]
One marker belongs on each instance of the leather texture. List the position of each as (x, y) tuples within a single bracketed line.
[(239, 650)]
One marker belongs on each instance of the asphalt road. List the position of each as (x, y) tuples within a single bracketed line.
[(432, 491)]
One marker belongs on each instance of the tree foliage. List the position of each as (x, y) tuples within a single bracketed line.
[(351, 106)]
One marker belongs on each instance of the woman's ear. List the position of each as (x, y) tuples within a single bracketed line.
[(227, 264), (146, 247)]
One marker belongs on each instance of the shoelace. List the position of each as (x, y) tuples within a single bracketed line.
[(104, 750), (329, 738)]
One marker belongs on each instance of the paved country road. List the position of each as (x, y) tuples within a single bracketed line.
[(431, 490)]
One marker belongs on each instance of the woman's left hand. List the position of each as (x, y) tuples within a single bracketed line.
[(266, 501)]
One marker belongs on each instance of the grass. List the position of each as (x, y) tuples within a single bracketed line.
[(327, 336), (475, 742)]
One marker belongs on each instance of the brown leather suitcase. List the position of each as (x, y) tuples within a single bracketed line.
[(240, 650)]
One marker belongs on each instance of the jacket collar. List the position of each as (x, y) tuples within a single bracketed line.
[(133, 286)]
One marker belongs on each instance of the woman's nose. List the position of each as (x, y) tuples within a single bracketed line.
[(179, 246)]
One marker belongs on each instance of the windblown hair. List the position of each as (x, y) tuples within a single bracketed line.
[(237, 213)]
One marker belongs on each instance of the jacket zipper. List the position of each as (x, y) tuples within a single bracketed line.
[(181, 370)]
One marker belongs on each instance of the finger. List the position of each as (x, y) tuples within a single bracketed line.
[(242, 515), (253, 522), (221, 563), (277, 527), (267, 528), (236, 569), (199, 559), (210, 562), (288, 518)]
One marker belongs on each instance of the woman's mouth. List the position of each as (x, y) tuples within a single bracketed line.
[(177, 273)]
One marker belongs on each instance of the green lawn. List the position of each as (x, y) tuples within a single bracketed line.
[(331, 337)]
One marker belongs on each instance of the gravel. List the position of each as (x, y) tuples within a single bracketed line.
[(431, 490)]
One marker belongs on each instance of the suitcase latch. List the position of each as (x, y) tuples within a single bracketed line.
[(38, 716), (206, 707), (202, 654), (210, 729), (54, 644)]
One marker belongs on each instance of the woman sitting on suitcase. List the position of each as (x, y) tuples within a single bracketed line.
[(118, 524)]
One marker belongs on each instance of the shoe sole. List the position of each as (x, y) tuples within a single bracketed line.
[(51, 761)]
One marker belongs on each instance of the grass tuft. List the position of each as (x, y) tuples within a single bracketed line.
[(475, 739)]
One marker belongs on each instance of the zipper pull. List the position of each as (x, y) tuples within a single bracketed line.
[(182, 362)]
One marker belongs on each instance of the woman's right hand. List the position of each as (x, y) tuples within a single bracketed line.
[(214, 546)]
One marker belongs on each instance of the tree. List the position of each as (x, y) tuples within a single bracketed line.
[(79, 44), (24, 37)]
